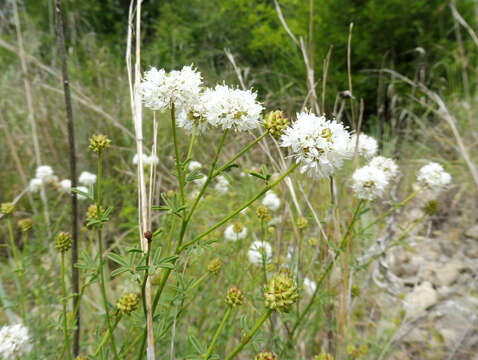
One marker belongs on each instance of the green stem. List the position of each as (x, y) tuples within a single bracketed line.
[(109, 332), (218, 332), (18, 272), (100, 254), (237, 211), (191, 144), (176, 153), (251, 334), (63, 302), (239, 154), (145, 278)]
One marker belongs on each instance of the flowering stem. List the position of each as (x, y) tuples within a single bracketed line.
[(218, 332), (239, 154), (176, 153), (191, 144), (100, 254), (63, 302), (265, 315), (242, 207)]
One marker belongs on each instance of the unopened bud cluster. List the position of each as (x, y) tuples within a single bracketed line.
[(324, 356), (234, 296), (214, 266), (63, 242), (99, 142), (431, 207), (302, 223), (263, 213), (25, 225), (275, 123), (92, 212), (128, 302), (265, 355), (281, 292), (7, 208)]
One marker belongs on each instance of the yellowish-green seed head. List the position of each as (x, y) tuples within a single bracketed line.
[(99, 143), (302, 223), (214, 266), (324, 356), (234, 296), (265, 355), (355, 291), (313, 241), (128, 302), (25, 225), (431, 207), (7, 208), (275, 123), (237, 227), (63, 241), (81, 357), (281, 291), (91, 213), (263, 213)]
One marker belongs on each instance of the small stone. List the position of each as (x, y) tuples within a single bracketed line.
[(449, 273), (472, 232), (421, 298)]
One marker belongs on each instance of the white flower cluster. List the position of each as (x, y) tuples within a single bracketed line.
[(147, 160), (367, 145), (271, 201), (195, 106), (309, 286), (260, 253), (371, 181), (14, 341), (222, 185), (433, 177), (318, 144), (234, 232)]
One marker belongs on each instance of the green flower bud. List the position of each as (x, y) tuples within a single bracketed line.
[(275, 123), (234, 296), (281, 292), (81, 357), (313, 241), (25, 224), (63, 241), (7, 208), (263, 213), (324, 356), (302, 223), (99, 142), (214, 266), (128, 302), (91, 213), (355, 290), (265, 355), (431, 207)]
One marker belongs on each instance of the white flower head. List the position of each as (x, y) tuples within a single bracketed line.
[(83, 189), (222, 185), (193, 165), (193, 116), (161, 89), (136, 159), (309, 286), (433, 177), (235, 232), (35, 185), (44, 173), (271, 201), (369, 182), (367, 146), (14, 341), (152, 160), (389, 167), (86, 178), (318, 144), (232, 108), (260, 253), (202, 180), (65, 186)]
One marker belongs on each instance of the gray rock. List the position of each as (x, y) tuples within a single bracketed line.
[(472, 232)]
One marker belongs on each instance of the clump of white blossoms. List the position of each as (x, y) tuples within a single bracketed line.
[(235, 232), (230, 108), (82, 189), (14, 341), (309, 286), (193, 165), (369, 182), (147, 160), (86, 178), (179, 87), (271, 201), (35, 185), (433, 177), (367, 145), (222, 185), (318, 144), (64, 186), (387, 165), (260, 253), (44, 173)]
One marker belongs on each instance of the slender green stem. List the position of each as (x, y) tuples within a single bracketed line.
[(170, 235), (191, 143), (17, 262), (176, 153), (239, 154), (63, 302), (145, 278), (242, 207), (100, 254), (265, 315), (107, 335), (218, 332)]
